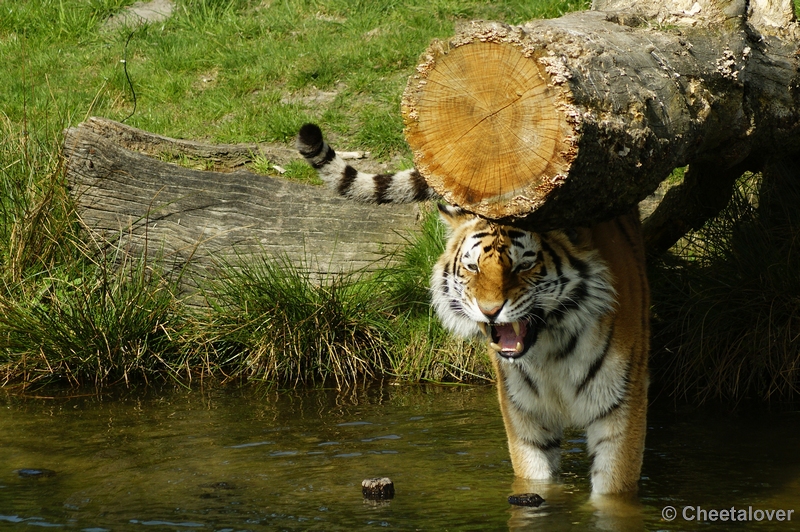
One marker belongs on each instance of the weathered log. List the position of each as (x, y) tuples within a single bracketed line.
[(572, 120), (199, 218)]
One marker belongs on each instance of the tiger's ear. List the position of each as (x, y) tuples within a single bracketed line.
[(453, 216), (580, 237), (572, 235)]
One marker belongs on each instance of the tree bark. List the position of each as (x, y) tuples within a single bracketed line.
[(197, 219), (573, 120)]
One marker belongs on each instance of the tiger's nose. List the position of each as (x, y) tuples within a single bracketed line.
[(492, 311)]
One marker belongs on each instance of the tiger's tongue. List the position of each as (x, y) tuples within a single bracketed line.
[(507, 339)]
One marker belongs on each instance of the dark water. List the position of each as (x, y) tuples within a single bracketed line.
[(253, 460)]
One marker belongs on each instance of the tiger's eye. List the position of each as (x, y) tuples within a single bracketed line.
[(525, 266)]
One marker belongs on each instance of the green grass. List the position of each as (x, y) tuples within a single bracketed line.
[(408, 279), (71, 311), (231, 71), (272, 321), (35, 211), (104, 318), (423, 350), (296, 170), (302, 172)]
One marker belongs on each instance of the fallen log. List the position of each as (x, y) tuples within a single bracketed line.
[(572, 120), (197, 219)]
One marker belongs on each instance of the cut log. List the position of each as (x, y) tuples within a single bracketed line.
[(197, 219), (573, 120), (485, 122)]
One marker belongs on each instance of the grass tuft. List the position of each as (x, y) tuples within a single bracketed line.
[(70, 312), (423, 349), (727, 303), (101, 324), (408, 278), (426, 352), (302, 172), (276, 322), (273, 322), (36, 213)]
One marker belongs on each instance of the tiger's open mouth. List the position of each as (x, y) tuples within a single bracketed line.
[(510, 340)]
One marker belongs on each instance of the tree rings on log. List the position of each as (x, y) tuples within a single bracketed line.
[(485, 126)]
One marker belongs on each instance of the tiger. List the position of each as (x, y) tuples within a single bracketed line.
[(564, 313)]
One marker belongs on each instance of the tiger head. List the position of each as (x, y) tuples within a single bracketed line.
[(510, 284)]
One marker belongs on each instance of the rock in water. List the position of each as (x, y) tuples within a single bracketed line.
[(377, 488), (526, 499), (35, 473)]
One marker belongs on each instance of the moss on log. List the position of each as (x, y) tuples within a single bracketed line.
[(197, 218)]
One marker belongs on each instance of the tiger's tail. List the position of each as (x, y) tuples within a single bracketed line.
[(406, 186)]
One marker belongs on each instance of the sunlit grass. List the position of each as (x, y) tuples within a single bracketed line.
[(277, 322), (101, 325), (423, 350), (36, 212), (222, 71), (300, 171), (272, 321)]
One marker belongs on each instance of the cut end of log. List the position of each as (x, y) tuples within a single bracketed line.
[(487, 126)]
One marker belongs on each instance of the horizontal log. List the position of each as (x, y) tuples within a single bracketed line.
[(219, 157), (196, 219), (572, 120)]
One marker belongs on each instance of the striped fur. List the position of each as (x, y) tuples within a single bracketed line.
[(565, 315), (581, 302), (407, 186)]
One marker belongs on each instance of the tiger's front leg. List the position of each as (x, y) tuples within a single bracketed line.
[(536, 456), (616, 444), (533, 443)]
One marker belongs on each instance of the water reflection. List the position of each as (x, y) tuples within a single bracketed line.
[(247, 459)]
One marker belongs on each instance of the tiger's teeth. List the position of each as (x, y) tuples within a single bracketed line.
[(482, 327), (495, 347), (519, 347), (515, 325)]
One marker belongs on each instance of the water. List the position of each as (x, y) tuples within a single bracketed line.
[(230, 460)]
